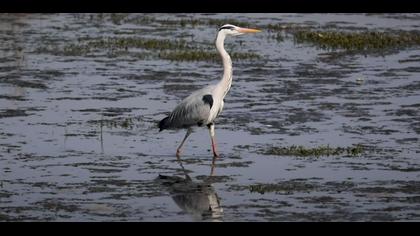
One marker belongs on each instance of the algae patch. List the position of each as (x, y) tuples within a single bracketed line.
[(302, 151)]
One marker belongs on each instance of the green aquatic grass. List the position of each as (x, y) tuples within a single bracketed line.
[(286, 26), (202, 55), (68, 50), (220, 22), (193, 22), (72, 50), (360, 40), (286, 187), (131, 42), (127, 123), (173, 50), (364, 40), (87, 46), (302, 151), (117, 18)]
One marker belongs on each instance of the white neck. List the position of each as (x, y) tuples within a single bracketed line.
[(226, 80)]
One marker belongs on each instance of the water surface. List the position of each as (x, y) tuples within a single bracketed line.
[(78, 136)]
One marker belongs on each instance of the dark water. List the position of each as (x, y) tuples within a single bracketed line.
[(78, 136)]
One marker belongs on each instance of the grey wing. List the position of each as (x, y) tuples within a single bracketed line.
[(191, 111)]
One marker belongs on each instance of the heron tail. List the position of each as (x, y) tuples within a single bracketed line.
[(163, 124)]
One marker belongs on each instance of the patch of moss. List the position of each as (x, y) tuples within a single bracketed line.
[(302, 151)]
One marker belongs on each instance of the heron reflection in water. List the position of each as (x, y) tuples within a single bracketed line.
[(199, 199)]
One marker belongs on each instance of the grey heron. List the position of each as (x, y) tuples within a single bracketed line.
[(203, 106)]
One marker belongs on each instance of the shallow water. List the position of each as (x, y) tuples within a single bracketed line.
[(78, 136)]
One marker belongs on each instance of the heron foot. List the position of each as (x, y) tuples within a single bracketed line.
[(216, 155), (178, 153)]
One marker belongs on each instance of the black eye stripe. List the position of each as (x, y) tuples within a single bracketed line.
[(226, 27)]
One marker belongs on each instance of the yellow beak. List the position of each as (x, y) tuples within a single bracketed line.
[(247, 30)]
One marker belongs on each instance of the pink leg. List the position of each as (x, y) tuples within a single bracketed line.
[(213, 164), (178, 150), (213, 142), (213, 146)]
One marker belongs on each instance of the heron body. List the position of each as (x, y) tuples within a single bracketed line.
[(203, 106), (200, 108)]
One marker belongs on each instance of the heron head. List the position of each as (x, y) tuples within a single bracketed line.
[(233, 30)]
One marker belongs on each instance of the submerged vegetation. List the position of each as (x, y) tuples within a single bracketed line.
[(286, 187), (322, 36), (173, 50), (201, 55), (136, 42), (127, 123), (356, 40), (302, 151), (363, 40), (120, 18)]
